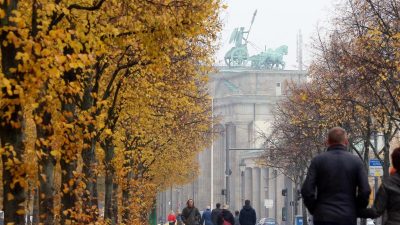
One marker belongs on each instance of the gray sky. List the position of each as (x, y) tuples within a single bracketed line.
[(277, 23)]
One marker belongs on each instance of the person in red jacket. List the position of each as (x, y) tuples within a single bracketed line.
[(171, 218)]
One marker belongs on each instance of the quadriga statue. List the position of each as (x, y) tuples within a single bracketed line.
[(270, 59)]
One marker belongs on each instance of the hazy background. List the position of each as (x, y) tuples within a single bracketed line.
[(277, 23)]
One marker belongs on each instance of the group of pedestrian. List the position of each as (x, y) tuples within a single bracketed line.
[(218, 216), (336, 190), (247, 216)]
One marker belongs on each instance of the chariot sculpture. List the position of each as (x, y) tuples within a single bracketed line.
[(271, 59), (238, 55)]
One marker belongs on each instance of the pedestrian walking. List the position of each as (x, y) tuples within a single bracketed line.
[(171, 218), (190, 214), (226, 217), (388, 196), (215, 213), (206, 217), (336, 185), (237, 218), (247, 215), (179, 218)]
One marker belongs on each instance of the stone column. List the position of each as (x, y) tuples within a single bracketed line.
[(273, 184), (235, 131), (256, 191), (219, 168), (202, 189), (264, 192), (241, 141), (248, 186)]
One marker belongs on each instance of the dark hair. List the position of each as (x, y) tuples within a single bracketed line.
[(236, 213), (396, 159), (337, 135), (247, 202), (187, 203), (218, 205)]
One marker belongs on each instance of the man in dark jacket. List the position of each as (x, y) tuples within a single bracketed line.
[(215, 214), (190, 214), (337, 183), (247, 215)]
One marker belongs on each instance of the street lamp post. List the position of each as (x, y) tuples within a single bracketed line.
[(170, 199), (242, 167), (212, 153), (275, 174), (227, 168)]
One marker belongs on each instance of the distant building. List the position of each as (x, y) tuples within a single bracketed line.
[(243, 100)]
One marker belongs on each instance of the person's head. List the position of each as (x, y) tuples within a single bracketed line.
[(337, 136), (208, 207), (190, 203), (396, 159), (225, 206), (236, 213), (172, 212), (247, 203), (218, 205)]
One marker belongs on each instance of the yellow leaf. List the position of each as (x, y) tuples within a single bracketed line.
[(35, 105), (2, 14), (108, 131), (66, 189), (21, 212), (55, 153), (10, 196)]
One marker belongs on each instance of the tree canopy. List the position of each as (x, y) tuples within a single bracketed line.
[(94, 89)]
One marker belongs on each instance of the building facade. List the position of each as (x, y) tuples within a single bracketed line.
[(243, 104)]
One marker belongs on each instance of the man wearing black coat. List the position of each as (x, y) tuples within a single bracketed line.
[(337, 185), (215, 213), (247, 215)]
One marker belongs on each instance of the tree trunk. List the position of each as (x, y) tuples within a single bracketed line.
[(47, 162), (115, 218), (12, 142), (125, 205), (35, 213), (386, 153), (68, 163), (12, 129), (68, 198), (90, 179), (46, 191), (89, 152), (28, 208), (108, 147), (126, 195)]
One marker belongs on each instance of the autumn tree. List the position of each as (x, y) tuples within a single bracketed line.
[(84, 68), (353, 82)]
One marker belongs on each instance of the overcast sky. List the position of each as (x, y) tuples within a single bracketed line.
[(277, 23)]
